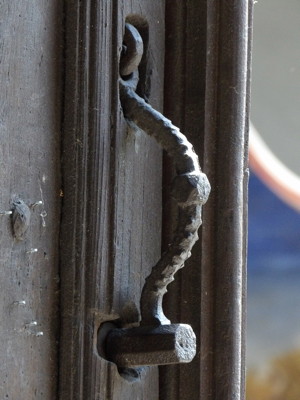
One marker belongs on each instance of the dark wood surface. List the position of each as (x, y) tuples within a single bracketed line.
[(112, 193), (224, 232), (207, 95), (185, 72), (30, 65), (111, 225)]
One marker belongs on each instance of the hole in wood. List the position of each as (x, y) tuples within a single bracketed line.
[(145, 69), (129, 374), (103, 332)]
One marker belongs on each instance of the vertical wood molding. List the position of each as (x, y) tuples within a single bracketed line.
[(112, 196), (184, 104), (224, 230), (211, 107)]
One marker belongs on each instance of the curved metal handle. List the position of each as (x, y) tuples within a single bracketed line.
[(190, 187), (156, 341)]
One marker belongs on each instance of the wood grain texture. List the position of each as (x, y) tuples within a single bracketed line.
[(112, 195), (30, 62), (207, 92), (224, 234), (185, 105)]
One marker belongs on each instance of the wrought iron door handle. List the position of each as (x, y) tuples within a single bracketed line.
[(157, 341), (190, 188)]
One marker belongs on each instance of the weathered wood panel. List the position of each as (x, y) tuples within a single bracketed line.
[(185, 105), (209, 101), (30, 50), (224, 233), (112, 194)]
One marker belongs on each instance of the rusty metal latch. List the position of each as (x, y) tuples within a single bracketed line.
[(156, 341)]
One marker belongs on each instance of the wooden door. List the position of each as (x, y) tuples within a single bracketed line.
[(30, 126), (98, 194), (112, 191)]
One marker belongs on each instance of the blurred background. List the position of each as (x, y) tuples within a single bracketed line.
[(273, 343)]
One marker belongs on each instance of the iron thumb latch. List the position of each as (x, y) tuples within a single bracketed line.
[(156, 341)]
